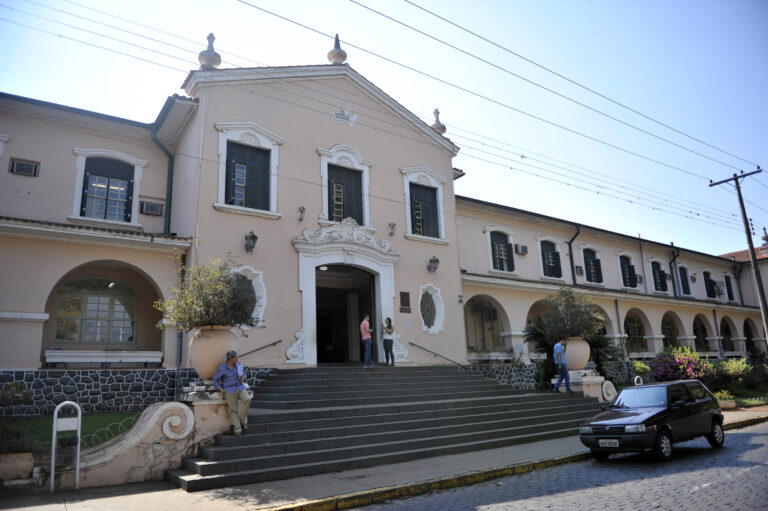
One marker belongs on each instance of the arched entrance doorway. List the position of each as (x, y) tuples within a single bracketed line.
[(700, 332), (343, 295)]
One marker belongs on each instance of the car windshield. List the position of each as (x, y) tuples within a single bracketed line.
[(639, 397)]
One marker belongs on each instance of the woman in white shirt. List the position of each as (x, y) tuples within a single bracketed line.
[(389, 334)]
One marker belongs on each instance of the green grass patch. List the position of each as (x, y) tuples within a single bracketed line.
[(22, 434)]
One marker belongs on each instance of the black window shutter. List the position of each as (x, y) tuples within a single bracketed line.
[(598, 270), (229, 181), (510, 257), (84, 198), (632, 275), (428, 197), (352, 183), (557, 270), (663, 280), (129, 202)]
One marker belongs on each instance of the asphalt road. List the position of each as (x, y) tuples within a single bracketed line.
[(732, 478)]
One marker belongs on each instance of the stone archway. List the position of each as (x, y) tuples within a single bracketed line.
[(485, 320), (672, 329), (637, 328), (728, 332), (702, 329), (342, 244), (102, 312)]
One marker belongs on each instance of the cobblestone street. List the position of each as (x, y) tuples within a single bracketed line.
[(698, 477)]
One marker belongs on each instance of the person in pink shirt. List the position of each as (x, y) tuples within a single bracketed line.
[(365, 332)]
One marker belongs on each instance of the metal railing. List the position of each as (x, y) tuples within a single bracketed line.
[(261, 348), (459, 364)]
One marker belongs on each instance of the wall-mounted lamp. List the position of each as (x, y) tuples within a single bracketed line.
[(392, 227), (461, 298), (433, 264), (302, 209), (250, 242)]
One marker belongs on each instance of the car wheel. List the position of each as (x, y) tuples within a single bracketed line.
[(600, 455), (663, 448), (716, 436)]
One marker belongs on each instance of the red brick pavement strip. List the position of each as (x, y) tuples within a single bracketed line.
[(734, 419)]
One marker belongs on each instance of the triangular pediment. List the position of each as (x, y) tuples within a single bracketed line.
[(243, 76)]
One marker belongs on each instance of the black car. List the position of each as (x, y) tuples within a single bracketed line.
[(653, 417)]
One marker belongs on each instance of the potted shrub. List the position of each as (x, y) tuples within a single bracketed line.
[(574, 317), (210, 299)]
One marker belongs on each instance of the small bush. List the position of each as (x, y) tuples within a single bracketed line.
[(15, 394), (640, 368), (679, 363), (723, 395)]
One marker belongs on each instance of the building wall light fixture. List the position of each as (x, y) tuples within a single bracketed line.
[(433, 264), (250, 242)]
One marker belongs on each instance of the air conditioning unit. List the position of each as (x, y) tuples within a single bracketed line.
[(521, 249), (151, 208), (639, 279), (24, 167), (579, 270), (719, 288)]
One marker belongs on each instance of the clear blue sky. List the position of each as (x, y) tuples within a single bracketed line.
[(698, 66)]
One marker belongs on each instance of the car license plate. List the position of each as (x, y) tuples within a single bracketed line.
[(609, 442)]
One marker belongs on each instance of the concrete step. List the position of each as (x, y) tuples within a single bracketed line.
[(195, 482), (307, 440)]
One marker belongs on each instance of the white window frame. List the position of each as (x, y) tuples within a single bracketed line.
[(680, 279), (510, 241), (348, 157), (4, 137), (250, 134), (82, 154), (424, 176), (434, 291), (619, 254), (652, 260), (556, 243), (596, 250), (733, 287)]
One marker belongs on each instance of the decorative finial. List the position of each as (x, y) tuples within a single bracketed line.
[(337, 55), (208, 58), (438, 126), (765, 237)]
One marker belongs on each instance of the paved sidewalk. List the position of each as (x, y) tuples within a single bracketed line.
[(337, 490)]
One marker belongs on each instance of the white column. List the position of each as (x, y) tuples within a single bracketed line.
[(654, 344), (714, 344)]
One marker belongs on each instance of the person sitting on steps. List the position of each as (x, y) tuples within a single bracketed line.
[(230, 380)]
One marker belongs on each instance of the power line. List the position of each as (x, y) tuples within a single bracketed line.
[(267, 74), (536, 84), (615, 102), (481, 96)]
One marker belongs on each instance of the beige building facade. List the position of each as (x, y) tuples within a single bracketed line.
[(350, 200)]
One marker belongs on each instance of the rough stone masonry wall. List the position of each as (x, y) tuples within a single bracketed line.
[(619, 372), (103, 390), (519, 376)]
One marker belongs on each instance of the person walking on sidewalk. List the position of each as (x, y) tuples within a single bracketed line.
[(365, 332), (389, 336), (230, 379), (562, 369)]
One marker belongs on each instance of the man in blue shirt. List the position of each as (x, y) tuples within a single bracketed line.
[(562, 369), (230, 379)]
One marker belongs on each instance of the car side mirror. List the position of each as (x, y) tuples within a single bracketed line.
[(678, 404)]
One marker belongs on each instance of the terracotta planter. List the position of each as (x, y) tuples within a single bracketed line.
[(208, 347), (576, 353)]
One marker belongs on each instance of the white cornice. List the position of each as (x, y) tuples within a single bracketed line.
[(110, 153), (90, 237), (228, 77), (541, 286), (249, 126)]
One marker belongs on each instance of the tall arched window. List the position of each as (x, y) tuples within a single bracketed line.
[(725, 331), (635, 331), (96, 311), (700, 332), (550, 260), (669, 331)]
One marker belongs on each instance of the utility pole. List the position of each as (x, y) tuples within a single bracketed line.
[(752, 256)]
